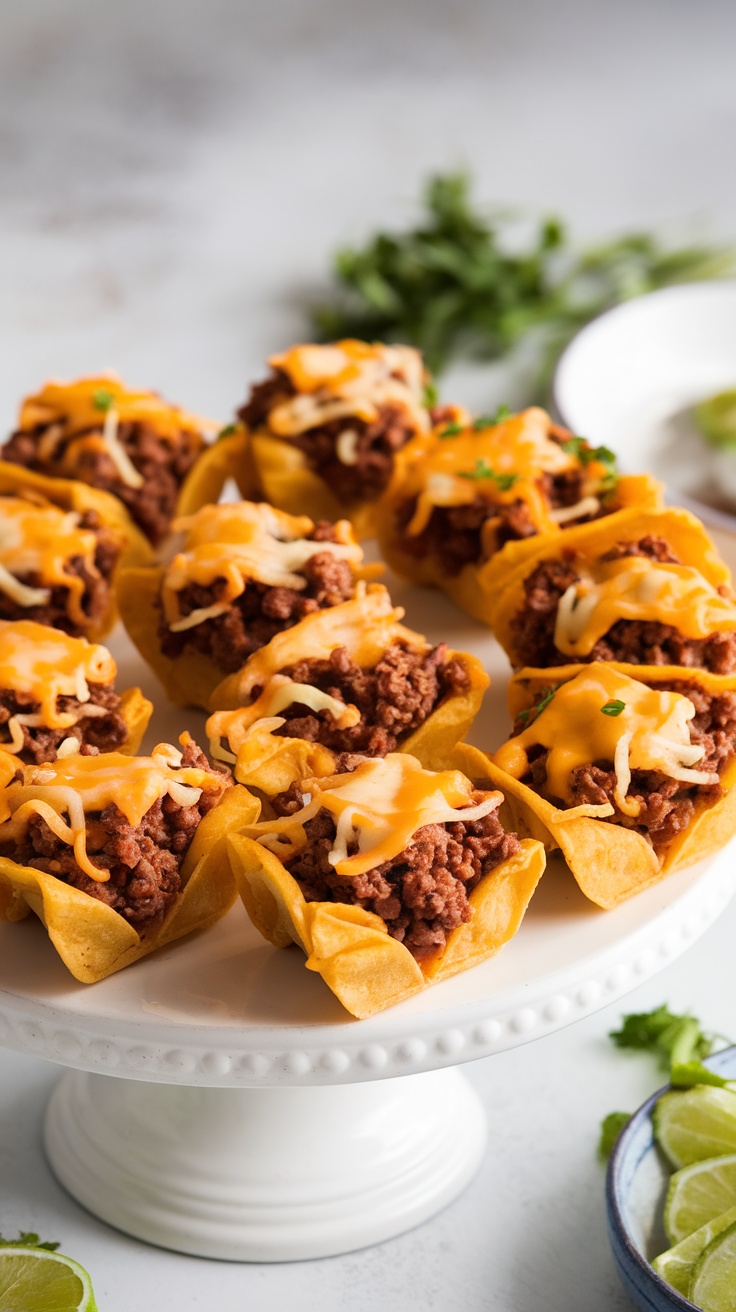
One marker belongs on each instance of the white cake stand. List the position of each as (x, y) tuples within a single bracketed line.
[(221, 1102)]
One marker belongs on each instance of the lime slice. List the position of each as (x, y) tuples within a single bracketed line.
[(34, 1280), (692, 1124), (676, 1266), (713, 1286), (716, 418), (697, 1193)]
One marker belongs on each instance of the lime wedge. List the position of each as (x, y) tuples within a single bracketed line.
[(34, 1280), (713, 1286), (676, 1266), (692, 1124), (697, 1193)]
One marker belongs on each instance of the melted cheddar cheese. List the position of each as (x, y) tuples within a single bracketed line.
[(636, 588), (501, 463), (83, 416), (38, 538), (79, 785), (378, 808), (45, 664), (643, 729), (235, 727), (236, 543), (348, 380)]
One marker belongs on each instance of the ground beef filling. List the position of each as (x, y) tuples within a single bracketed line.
[(422, 894), (162, 464), (667, 806), (454, 533), (144, 860), (394, 698), (637, 642), (374, 447), (95, 599), (260, 612), (98, 733)]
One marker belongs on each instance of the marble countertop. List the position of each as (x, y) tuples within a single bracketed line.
[(174, 179)]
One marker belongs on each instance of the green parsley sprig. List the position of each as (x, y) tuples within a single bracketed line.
[(482, 472)]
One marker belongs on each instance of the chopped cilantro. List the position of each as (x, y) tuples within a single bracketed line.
[(490, 421), (430, 395), (611, 1127), (28, 1239), (535, 711), (452, 430), (614, 707), (674, 1040), (227, 431), (102, 399), (483, 471)]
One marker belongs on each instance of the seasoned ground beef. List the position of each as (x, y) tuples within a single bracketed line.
[(375, 446), (636, 642), (162, 464), (96, 595), (422, 893), (453, 533), (103, 733), (667, 806), (144, 860), (260, 612), (394, 698)]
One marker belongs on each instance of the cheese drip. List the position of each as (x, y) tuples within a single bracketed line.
[(46, 664), (651, 732), (71, 408), (379, 808), (518, 451), (240, 542), (235, 727), (636, 588), (77, 785), (37, 537), (348, 379)]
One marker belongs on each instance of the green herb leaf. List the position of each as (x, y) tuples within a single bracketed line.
[(452, 430), (611, 1127), (430, 395), (685, 1074), (490, 421), (28, 1239), (102, 399), (483, 471), (674, 1040), (613, 707), (227, 431)]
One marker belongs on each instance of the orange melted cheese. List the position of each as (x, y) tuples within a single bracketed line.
[(240, 542), (517, 451), (44, 664), (235, 727), (651, 732), (379, 807), (348, 379), (636, 588), (79, 785), (38, 538)]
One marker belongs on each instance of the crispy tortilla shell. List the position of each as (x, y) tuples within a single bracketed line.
[(188, 679), (477, 586), (683, 531), (283, 472), (94, 941), (226, 458)]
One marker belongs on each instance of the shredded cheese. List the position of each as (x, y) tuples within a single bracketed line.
[(651, 732), (64, 410), (38, 539), (46, 664), (234, 727)]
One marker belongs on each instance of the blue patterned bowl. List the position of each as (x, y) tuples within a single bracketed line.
[(636, 1185)]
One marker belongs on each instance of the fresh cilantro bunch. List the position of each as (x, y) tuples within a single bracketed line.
[(458, 285)]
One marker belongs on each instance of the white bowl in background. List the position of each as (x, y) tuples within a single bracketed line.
[(630, 379)]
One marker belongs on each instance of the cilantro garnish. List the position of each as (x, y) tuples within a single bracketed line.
[(614, 707), (484, 471), (452, 430), (490, 421), (674, 1040), (227, 431), (430, 395), (102, 399), (28, 1239), (611, 1127), (535, 711)]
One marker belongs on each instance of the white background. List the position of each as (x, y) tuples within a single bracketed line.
[(173, 178)]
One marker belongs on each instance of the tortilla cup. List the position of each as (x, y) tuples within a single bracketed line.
[(94, 941), (283, 472), (477, 585), (351, 948), (683, 531), (226, 458), (367, 626), (609, 861), (71, 495)]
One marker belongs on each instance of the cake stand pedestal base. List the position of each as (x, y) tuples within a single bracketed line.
[(265, 1175)]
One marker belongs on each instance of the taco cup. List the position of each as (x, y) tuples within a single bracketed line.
[(246, 573), (118, 855), (654, 592), (355, 680), (629, 770), (470, 499), (325, 427), (390, 878), (133, 445)]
